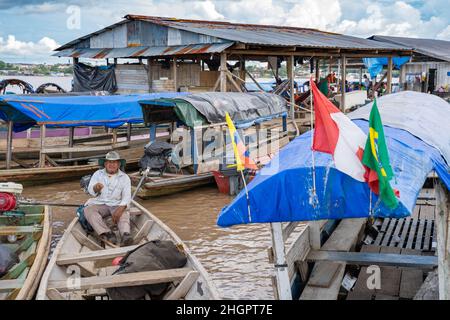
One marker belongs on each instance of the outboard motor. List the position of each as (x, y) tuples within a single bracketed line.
[(9, 192), (156, 156)]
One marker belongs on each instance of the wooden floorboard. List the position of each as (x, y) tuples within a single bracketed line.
[(419, 236), (427, 237), (411, 279), (388, 235), (390, 276), (412, 233), (404, 234), (342, 239), (396, 235)]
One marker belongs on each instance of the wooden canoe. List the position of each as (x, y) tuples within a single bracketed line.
[(34, 234), (169, 183), (83, 254), (38, 176)]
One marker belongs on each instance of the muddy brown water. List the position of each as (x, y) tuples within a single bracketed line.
[(236, 258)]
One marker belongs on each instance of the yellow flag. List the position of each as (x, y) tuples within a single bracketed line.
[(239, 165)]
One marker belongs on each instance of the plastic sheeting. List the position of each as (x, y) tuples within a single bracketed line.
[(72, 111), (424, 115), (375, 65), (282, 191), (100, 78), (244, 108), (188, 114)]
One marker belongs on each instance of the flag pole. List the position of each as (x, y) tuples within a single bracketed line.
[(246, 194), (312, 141)]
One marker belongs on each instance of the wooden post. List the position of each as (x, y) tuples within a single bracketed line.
[(389, 76), (443, 239), (41, 154), (223, 69), (71, 137), (281, 270), (343, 76), (149, 74), (317, 71), (290, 75), (360, 77), (128, 132), (314, 234), (115, 61), (242, 70), (329, 65), (175, 73), (194, 150), (9, 145), (114, 137)]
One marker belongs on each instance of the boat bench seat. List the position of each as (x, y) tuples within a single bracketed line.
[(122, 280), (8, 285), (70, 258)]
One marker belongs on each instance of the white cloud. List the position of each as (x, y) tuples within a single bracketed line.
[(444, 34), (395, 19), (12, 46), (42, 8)]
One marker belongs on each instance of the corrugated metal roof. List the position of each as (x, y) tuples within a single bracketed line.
[(265, 35), (439, 49), (270, 35), (136, 52)]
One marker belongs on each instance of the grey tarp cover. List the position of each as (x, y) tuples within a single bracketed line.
[(428, 117), (87, 78), (242, 107)]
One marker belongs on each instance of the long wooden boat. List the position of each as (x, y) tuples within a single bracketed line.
[(33, 231), (38, 176), (79, 251), (169, 183)]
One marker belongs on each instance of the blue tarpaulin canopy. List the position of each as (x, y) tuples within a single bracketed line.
[(71, 111), (282, 191), (375, 65)]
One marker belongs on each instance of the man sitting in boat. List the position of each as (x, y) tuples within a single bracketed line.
[(111, 188)]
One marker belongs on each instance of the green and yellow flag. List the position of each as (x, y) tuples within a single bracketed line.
[(376, 158)]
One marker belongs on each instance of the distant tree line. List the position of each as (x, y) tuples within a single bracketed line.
[(38, 69)]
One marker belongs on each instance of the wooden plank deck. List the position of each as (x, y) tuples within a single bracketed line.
[(342, 239)]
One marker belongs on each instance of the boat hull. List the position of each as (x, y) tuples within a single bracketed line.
[(33, 251), (171, 184), (92, 263)]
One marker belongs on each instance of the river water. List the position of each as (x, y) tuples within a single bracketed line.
[(236, 258)]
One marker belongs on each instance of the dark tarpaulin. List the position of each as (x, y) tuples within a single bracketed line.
[(242, 107), (87, 78)]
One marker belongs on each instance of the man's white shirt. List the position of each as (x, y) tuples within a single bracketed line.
[(116, 189)]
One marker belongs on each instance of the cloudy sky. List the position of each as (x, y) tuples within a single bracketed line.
[(31, 29)]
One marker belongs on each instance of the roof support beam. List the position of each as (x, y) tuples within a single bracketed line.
[(319, 53), (223, 69), (290, 74), (343, 77), (389, 76)]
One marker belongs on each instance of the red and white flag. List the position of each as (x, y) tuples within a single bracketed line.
[(336, 134)]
